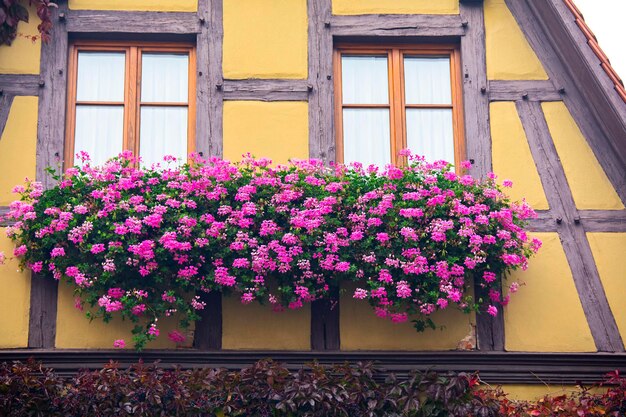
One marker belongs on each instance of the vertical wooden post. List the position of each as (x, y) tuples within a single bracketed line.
[(50, 144)]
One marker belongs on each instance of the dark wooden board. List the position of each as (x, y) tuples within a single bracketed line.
[(112, 21), (208, 332)]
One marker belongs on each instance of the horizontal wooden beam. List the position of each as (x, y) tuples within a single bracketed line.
[(3, 211), (603, 220), (494, 367), (524, 90), (111, 21), (397, 25), (266, 90), (20, 84)]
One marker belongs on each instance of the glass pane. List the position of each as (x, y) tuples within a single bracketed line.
[(429, 133), (163, 132), (366, 137), (364, 79), (164, 78), (101, 76), (427, 80), (99, 131)]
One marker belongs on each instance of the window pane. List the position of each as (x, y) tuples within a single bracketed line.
[(164, 78), (163, 132), (366, 136), (101, 76), (99, 131), (364, 79), (427, 80), (429, 133)]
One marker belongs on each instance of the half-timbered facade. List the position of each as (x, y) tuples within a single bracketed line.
[(519, 87)]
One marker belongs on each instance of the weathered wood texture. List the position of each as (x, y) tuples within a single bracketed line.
[(585, 273), (208, 332), (563, 59), (267, 90), (523, 90), (325, 332), (397, 25), (489, 330), (112, 21), (324, 319), (43, 312), (19, 84), (3, 222), (50, 141), (494, 367), (6, 100), (321, 126), (603, 220)]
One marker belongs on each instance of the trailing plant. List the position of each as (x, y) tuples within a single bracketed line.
[(269, 389), (14, 11), (142, 243)]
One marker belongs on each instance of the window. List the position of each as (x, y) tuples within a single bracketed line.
[(389, 98), (138, 97)]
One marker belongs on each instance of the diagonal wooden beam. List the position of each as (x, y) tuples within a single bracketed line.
[(562, 58), (573, 237), (6, 100)]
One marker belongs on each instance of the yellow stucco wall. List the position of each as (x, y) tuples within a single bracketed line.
[(22, 57), (361, 329), (546, 314), (590, 186), (255, 326), (509, 56), (511, 156), (608, 251), (74, 330), (17, 146), (276, 130), (149, 5), (15, 305), (265, 39), (351, 7), (535, 392)]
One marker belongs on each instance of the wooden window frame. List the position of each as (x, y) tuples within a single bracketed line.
[(397, 100), (132, 90)]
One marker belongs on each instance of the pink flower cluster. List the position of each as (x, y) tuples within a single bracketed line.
[(137, 242)]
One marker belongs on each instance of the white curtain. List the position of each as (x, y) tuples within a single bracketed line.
[(101, 76), (99, 131), (427, 80), (429, 132), (164, 78), (163, 132), (364, 80), (366, 137)]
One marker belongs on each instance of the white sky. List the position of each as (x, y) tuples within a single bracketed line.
[(607, 20)]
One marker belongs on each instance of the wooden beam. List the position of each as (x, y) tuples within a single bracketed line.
[(538, 90), (575, 244), (489, 330), (324, 320), (603, 220), (6, 100), (50, 142), (208, 332), (20, 84), (320, 50), (113, 21), (560, 56), (267, 90), (396, 25), (494, 367)]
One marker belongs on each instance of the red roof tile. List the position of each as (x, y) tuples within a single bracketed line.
[(592, 41)]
